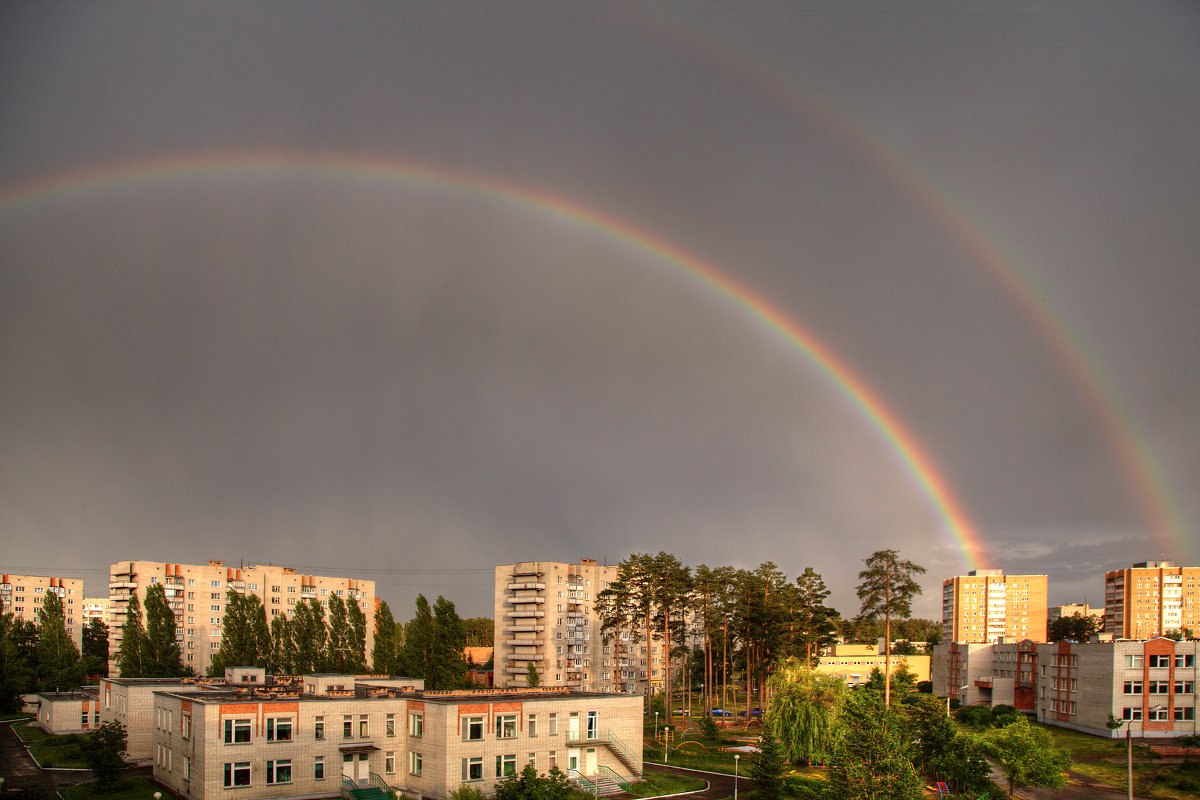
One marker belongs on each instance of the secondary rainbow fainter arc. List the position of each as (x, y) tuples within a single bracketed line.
[(903, 443)]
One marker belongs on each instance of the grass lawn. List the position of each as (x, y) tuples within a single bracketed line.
[(658, 783), (135, 787), (52, 751)]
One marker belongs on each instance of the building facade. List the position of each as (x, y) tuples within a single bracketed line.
[(1150, 599), (197, 594), (545, 615), (22, 596), (992, 674), (245, 745), (986, 606), (68, 712), (96, 608), (854, 663), (1055, 613)]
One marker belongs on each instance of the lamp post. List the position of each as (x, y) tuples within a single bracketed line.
[(736, 758), (656, 726)]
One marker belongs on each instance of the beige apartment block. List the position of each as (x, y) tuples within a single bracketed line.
[(1149, 685), (986, 606), (96, 608), (1150, 599), (197, 593), (22, 595), (546, 615), (268, 743), (1055, 613), (855, 662)]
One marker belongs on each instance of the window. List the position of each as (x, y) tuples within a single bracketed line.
[(506, 765), (473, 731), (389, 762), (187, 768), (1184, 687), (279, 729), (472, 769), (319, 728), (348, 727), (1185, 714), (531, 727), (1185, 661), (319, 768), (414, 763), (416, 724), (1133, 662), (237, 774), (1131, 713), (237, 731), (84, 720), (279, 771), (554, 724), (1133, 687), (1158, 687), (363, 727), (1159, 661), (506, 726), (389, 725), (1160, 714), (186, 728), (553, 760)]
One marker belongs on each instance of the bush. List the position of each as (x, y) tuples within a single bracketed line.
[(467, 793), (974, 716), (925, 687)]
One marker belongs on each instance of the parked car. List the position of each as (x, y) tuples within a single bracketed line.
[(720, 712), (683, 712)]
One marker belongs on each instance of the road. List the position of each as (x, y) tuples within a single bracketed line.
[(21, 773)]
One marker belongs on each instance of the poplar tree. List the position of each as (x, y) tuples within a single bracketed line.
[(95, 648), (358, 637), (245, 637), (57, 656), (385, 652), (449, 666), (339, 635), (17, 661), (133, 641), (282, 660), (886, 590), (418, 642), (161, 657), (306, 630)]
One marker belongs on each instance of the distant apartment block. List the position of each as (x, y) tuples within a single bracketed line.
[(546, 616), (197, 593), (22, 596), (96, 608), (1055, 613), (1150, 599), (986, 606)]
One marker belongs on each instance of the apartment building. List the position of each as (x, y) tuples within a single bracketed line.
[(197, 593), (854, 663), (270, 743), (1150, 685), (22, 596), (546, 615), (96, 608), (1068, 610), (986, 606), (1150, 599)]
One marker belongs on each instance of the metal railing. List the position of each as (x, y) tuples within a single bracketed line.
[(616, 778), (576, 777), (575, 738)]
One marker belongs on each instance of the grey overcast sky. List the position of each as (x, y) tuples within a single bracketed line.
[(408, 290)]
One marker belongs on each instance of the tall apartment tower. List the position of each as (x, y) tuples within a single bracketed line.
[(985, 605), (197, 592), (546, 615), (1150, 599), (22, 595)]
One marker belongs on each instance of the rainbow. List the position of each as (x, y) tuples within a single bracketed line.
[(1145, 477), (957, 524)]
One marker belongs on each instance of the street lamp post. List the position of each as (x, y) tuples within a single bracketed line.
[(656, 726), (736, 758)]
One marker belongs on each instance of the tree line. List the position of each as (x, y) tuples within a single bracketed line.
[(39, 657), (746, 620)]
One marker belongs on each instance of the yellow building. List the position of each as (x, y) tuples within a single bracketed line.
[(986, 606), (854, 663), (1151, 599)]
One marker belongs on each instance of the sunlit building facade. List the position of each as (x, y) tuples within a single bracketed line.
[(986, 606), (22, 596), (1151, 598)]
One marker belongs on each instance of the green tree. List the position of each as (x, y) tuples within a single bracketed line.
[(449, 665), (308, 635), (670, 596), (802, 716), (946, 753), (481, 631), (528, 785), (904, 680), (57, 657), (532, 679), (1075, 628), (338, 653), (161, 656), (282, 659), (18, 673), (104, 752), (418, 642), (813, 621), (766, 771), (886, 590), (872, 759), (1188, 742), (95, 648), (245, 637), (357, 660), (132, 650), (1028, 756), (385, 653)]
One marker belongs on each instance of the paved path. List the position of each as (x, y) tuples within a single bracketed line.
[(719, 786), (20, 772), (1080, 788)]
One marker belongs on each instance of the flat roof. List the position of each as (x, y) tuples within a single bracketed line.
[(201, 695)]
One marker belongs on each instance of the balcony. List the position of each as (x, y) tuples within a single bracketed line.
[(523, 657), (122, 585), (519, 614), (524, 628), (526, 600), (517, 587)]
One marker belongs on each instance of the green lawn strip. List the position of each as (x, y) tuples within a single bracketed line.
[(52, 752), (133, 787), (13, 715), (656, 784)]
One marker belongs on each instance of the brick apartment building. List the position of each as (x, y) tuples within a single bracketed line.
[(197, 594), (22, 596), (1150, 599), (986, 606)]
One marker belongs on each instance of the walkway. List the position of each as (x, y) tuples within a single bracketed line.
[(720, 786), (20, 772)]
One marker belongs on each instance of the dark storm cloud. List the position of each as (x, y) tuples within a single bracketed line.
[(320, 370)]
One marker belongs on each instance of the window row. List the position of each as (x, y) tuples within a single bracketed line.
[(238, 774), (1159, 714), (1158, 687)]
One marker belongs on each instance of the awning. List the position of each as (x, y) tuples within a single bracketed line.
[(357, 748)]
